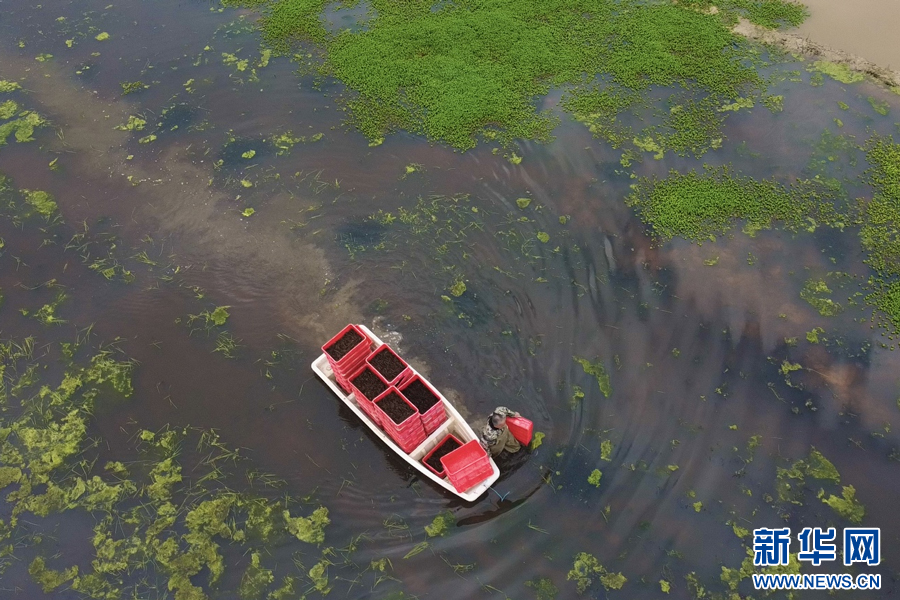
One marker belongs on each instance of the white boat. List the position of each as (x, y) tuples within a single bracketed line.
[(454, 424)]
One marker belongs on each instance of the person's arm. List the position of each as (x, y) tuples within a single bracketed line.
[(502, 410)]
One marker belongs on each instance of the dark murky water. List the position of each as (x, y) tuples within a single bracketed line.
[(693, 350)]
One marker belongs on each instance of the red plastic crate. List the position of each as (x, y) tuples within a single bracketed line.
[(442, 472), (467, 466), (352, 359), (521, 428), (364, 403), (402, 376), (408, 434), (434, 416)]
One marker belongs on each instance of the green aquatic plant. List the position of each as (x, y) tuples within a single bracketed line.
[(42, 202), (838, 72), (700, 206), (22, 128), (133, 124), (594, 477), (8, 86), (131, 87), (816, 292), (846, 505), (880, 231), (598, 371), (543, 588), (309, 529), (537, 440), (456, 71), (879, 106), (790, 482), (606, 449), (49, 579), (587, 566), (440, 525), (8, 109)]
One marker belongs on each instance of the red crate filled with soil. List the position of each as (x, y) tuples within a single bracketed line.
[(467, 466), (400, 419), (427, 402), (389, 365), (367, 385), (347, 350), (432, 460)]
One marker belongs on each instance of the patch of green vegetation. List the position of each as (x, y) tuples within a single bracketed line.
[(846, 505), (458, 288), (598, 371), (8, 109), (8, 86), (585, 567), (23, 127), (733, 577), (812, 336), (537, 440), (134, 124), (838, 72), (456, 71), (606, 449), (880, 231), (308, 529), (440, 525), (543, 588), (594, 477), (789, 482), (49, 579), (131, 87), (42, 202), (816, 292), (664, 586), (879, 106), (701, 206), (102, 36)]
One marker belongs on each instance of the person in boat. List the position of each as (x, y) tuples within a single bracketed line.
[(496, 436)]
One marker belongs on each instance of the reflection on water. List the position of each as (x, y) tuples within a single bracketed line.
[(694, 337)]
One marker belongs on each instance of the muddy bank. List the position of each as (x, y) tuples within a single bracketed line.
[(798, 44), (867, 28)]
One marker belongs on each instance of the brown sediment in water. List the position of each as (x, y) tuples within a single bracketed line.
[(800, 45), (175, 196)]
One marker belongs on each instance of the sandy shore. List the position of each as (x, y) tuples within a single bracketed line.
[(869, 29)]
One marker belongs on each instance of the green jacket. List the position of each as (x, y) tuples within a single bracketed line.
[(505, 441)]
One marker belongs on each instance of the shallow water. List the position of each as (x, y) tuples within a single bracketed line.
[(693, 350)]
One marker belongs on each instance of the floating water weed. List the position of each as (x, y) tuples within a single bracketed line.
[(308, 529), (701, 206), (586, 566), (816, 292), (8, 86), (841, 73), (543, 588), (594, 477), (440, 525), (598, 371), (846, 505), (457, 71)]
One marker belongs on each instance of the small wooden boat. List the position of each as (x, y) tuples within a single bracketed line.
[(454, 424)]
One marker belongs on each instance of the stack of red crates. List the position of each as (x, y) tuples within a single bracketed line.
[(434, 416), (364, 403), (408, 434), (398, 379), (348, 364), (467, 466)]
